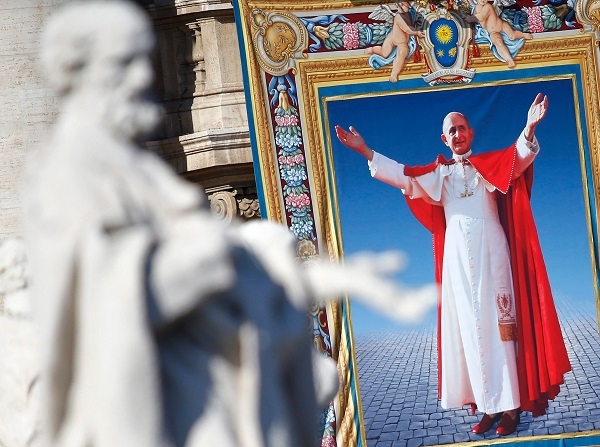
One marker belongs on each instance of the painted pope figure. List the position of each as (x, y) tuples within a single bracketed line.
[(494, 294)]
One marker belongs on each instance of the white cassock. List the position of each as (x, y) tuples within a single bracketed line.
[(477, 292)]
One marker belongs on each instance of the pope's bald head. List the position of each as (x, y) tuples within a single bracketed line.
[(449, 118), (457, 133)]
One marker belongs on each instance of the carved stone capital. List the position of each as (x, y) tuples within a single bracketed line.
[(248, 208), (224, 205), (228, 203)]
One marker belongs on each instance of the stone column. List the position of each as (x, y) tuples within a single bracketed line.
[(205, 136)]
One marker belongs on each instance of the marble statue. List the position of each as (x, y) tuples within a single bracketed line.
[(158, 325), (19, 371)]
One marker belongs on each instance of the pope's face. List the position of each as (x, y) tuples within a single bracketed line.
[(457, 134)]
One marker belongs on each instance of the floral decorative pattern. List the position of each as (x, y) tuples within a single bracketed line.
[(337, 33), (298, 202), (292, 164), (351, 40), (351, 36), (298, 206), (292, 160), (288, 120), (327, 427), (358, 31), (534, 20)]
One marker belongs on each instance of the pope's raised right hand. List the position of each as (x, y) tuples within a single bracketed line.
[(354, 141)]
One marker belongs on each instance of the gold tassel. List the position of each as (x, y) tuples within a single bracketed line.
[(508, 332)]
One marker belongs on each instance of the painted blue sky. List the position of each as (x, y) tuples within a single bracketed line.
[(407, 126)]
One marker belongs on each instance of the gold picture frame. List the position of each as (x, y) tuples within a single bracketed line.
[(298, 187)]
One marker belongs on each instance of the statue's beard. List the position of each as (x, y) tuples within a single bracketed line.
[(133, 117)]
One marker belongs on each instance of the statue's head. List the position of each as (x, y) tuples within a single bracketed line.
[(101, 50)]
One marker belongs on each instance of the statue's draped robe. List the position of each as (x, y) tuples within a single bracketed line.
[(155, 329)]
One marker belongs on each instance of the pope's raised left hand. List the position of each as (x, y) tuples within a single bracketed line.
[(537, 112)]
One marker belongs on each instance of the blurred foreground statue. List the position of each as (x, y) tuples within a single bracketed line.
[(158, 325)]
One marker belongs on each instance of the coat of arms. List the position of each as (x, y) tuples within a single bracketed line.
[(446, 48)]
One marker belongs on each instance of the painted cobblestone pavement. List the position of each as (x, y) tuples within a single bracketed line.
[(398, 380)]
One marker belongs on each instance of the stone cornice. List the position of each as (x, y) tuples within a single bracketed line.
[(204, 150), (182, 9)]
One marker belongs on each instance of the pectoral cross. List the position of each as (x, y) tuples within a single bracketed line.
[(467, 192)]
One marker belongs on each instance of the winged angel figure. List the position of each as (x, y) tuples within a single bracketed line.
[(505, 42), (400, 43)]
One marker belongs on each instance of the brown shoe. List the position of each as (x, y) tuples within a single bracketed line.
[(507, 424), (486, 423)]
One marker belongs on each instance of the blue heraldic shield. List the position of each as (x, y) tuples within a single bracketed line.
[(444, 35)]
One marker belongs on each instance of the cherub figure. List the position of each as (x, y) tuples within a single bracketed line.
[(399, 36), (485, 14)]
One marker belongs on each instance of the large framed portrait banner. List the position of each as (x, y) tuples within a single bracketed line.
[(391, 73)]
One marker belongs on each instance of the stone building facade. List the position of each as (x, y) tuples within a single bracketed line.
[(204, 137), (199, 83), (205, 133)]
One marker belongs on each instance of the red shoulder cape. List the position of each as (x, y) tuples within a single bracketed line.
[(541, 354)]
